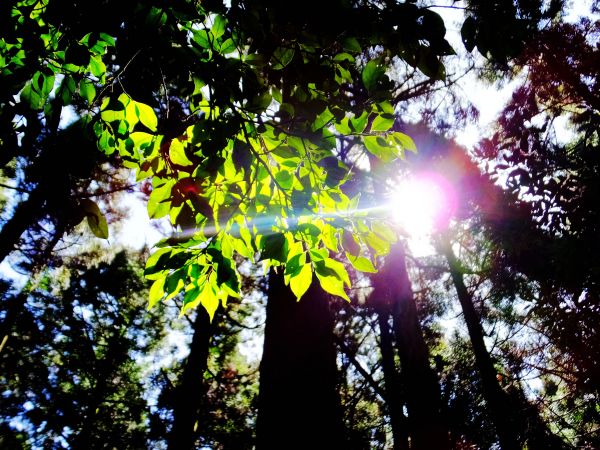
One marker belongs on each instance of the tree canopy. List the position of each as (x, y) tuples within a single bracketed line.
[(275, 134)]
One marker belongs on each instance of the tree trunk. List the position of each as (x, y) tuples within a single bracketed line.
[(427, 428), (11, 306), (190, 391), (24, 215), (498, 402), (393, 387), (299, 406)]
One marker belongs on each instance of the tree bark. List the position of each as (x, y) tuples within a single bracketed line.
[(498, 402), (190, 391), (24, 215), (11, 306), (427, 428), (393, 388), (299, 405)]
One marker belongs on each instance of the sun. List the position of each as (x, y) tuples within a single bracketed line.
[(422, 204)]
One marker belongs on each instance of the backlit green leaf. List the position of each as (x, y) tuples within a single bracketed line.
[(219, 26), (146, 115), (177, 153), (361, 263), (87, 90), (380, 147), (382, 122), (156, 292), (372, 73), (300, 282), (95, 218), (330, 280)]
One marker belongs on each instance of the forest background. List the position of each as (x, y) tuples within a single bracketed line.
[(348, 259)]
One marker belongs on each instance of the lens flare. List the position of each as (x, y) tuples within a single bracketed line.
[(422, 204)]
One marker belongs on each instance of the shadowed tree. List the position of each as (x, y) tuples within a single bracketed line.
[(69, 373), (298, 404), (426, 422)]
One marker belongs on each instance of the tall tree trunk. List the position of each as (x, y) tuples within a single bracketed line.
[(190, 391), (299, 406), (428, 429), (11, 306), (498, 402), (24, 215), (393, 387), (26, 212)]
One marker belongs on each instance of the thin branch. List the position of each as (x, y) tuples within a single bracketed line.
[(15, 188), (357, 365)]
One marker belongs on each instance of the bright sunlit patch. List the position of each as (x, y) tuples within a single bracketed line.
[(422, 204)]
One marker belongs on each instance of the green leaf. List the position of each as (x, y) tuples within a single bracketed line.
[(227, 47), (318, 254), (322, 120), (351, 44), (340, 57), (404, 141), (95, 218), (146, 115), (191, 299), (67, 89), (219, 26), (349, 243), (97, 67), (361, 263), (372, 73), (430, 64), (282, 56), (381, 229), (87, 90), (256, 59), (45, 83), (108, 39), (330, 280), (343, 126), (204, 295), (158, 203), (379, 246), (360, 123), (382, 122), (260, 102), (300, 282), (32, 97), (201, 38), (177, 153), (157, 292), (157, 259), (142, 140), (339, 269), (378, 146), (284, 179), (174, 283), (274, 246), (210, 300)]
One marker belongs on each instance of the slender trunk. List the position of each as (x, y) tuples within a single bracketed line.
[(428, 429), (24, 215), (393, 387), (299, 406), (190, 391), (99, 375), (26, 211), (11, 306), (498, 402), (85, 437)]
